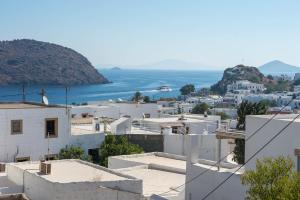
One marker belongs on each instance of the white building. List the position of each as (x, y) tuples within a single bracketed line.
[(286, 144), (212, 173), (117, 110), (297, 76), (181, 124), (33, 131), (73, 179), (160, 173), (255, 98), (246, 85), (28, 129)]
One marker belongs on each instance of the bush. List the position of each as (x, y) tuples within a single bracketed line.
[(187, 89), (73, 152), (244, 109), (272, 179), (113, 146), (200, 108)]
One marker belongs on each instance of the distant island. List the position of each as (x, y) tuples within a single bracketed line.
[(277, 67), (115, 68), (33, 62)]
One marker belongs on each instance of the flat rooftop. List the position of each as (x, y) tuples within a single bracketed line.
[(25, 105), (284, 117), (172, 120), (67, 171), (85, 129), (162, 159), (157, 181), (7, 186)]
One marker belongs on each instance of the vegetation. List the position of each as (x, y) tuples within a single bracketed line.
[(204, 92), (137, 96), (247, 108), (146, 99), (296, 82), (280, 85), (73, 152), (223, 115), (269, 103), (244, 109), (34, 62), (113, 146), (187, 89), (200, 108), (273, 179)]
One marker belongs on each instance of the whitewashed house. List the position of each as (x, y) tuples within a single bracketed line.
[(117, 110), (246, 85), (34, 131), (29, 129)]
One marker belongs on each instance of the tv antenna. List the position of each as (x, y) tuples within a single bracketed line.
[(44, 98)]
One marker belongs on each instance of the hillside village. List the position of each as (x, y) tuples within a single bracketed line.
[(183, 147)]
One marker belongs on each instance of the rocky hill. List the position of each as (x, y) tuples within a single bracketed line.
[(35, 62), (241, 72)]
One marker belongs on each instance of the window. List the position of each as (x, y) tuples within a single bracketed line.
[(174, 129), (23, 159), (147, 115), (16, 127), (51, 128)]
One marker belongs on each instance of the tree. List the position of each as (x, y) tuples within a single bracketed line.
[(244, 109), (200, 108), (247, 108), (137, 96), (113, 146), (187, 89), (273, 179), (146, 99), (204, 92), (73, 152)]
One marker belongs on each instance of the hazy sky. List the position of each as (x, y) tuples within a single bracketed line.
[(131, 32)]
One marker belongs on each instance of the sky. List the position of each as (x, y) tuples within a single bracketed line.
[(216, 33)]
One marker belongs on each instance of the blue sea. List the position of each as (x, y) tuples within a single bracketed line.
[(124, 84)]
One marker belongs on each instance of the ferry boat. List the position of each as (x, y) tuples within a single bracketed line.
[(164, 89)]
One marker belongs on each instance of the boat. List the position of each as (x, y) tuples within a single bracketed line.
[(164, 89)]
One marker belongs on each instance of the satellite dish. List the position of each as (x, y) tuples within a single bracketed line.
[(45, 100)]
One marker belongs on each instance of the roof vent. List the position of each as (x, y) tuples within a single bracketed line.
[(2, 167), (45, 167)]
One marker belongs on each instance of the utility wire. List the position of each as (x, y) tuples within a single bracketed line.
[(259, 150), (223, 158)]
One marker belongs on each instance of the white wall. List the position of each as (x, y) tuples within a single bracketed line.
[(87, 141), (121, 126), (37, 188), (199, 187), (32, 142), (285, 144), (207, 149), (96, 111)]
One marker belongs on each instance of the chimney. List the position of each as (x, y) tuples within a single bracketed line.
[(45, 167)]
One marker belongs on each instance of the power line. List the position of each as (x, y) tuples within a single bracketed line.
[(214, 165), (260, 149)]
